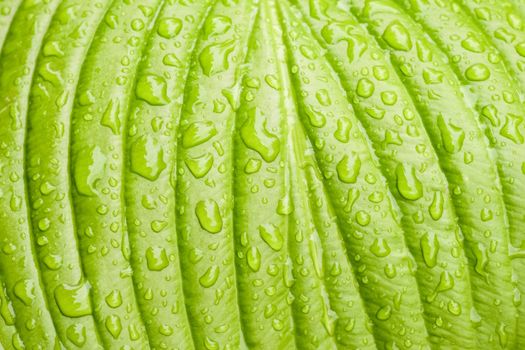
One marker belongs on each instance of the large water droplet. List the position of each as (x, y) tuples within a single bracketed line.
[(446, 282), (110, 117), (253, 257), (169, 27), (152, 89), (397, 36), (89, 167), (380, 248), (214, 58), (147, 158), (451, 135), (25, 291), (209, 278), (365, 88), (348, 168), (255, 136), (477, 72), (114, 299), (511, 128), (198, 133), (200, 166), (436, 207), (73, 301), (429, 248), (156, 258), (209, 215), (408, 184), (272, 236), (76, 333), (113, 325)]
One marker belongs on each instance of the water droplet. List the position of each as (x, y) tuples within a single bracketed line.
[(316, 118), (198, 133), (429, 248), (486, 214), (362, 218), (472, 44), (477, 72), (25, 291), (384, 313), (147, 158), (323, 97), (52, 261), (376, 113), (381, 73), (348, 168), (454, 308), (76, 333), (156, 258), (480, 254), (408, 184), (214, 58), (210, 344), (365, 88), (114, 299), (217, 25), (113, 325), (502, 335), (389, 98), (89, 168), (451, 135), (397, 36), (436, 207), (172, 60), (272, 236), (252, 166), (169, 27), (511, 128), (380, 248), (110, 117), (520, 48), (46, 188), (209, 278), (200, 166), (209, 215), (432, 76), (253, 257), (152, 89), (342, 134), (256, 136), (308, 51), (73, 300), (446, 282)]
